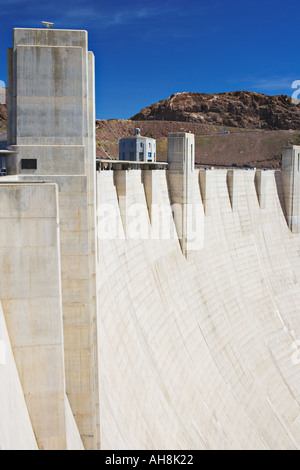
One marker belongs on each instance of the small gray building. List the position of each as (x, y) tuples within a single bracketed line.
[(137, 148)]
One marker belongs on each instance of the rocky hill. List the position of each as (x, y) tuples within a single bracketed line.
[(241, 109)]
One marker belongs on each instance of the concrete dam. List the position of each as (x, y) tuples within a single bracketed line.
[(141, 306)]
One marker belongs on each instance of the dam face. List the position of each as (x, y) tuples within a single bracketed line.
[(141, 307)]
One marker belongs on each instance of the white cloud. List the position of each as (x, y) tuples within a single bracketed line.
[(2, 84)]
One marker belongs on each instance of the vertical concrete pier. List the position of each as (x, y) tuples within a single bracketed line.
[(291, 185), (180, 176)]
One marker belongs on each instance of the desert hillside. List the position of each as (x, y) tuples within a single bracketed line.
[(230, 128), (259, 148)]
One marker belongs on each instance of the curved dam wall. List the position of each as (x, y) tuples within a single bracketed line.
[(198, 352), (195, 351)]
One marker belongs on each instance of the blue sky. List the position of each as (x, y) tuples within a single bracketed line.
[(147, 50)]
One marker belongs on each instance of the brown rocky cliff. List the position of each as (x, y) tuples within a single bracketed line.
[(242, 109)]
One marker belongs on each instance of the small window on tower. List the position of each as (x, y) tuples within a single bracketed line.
[(28, 164)]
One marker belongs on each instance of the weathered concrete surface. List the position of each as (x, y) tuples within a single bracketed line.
[(51, 119), (30, 292), (16, 431), (35, 411), (181, 160), (196, 351), (199, 353)]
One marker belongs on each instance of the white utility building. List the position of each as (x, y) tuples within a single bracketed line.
[(137, 148)]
